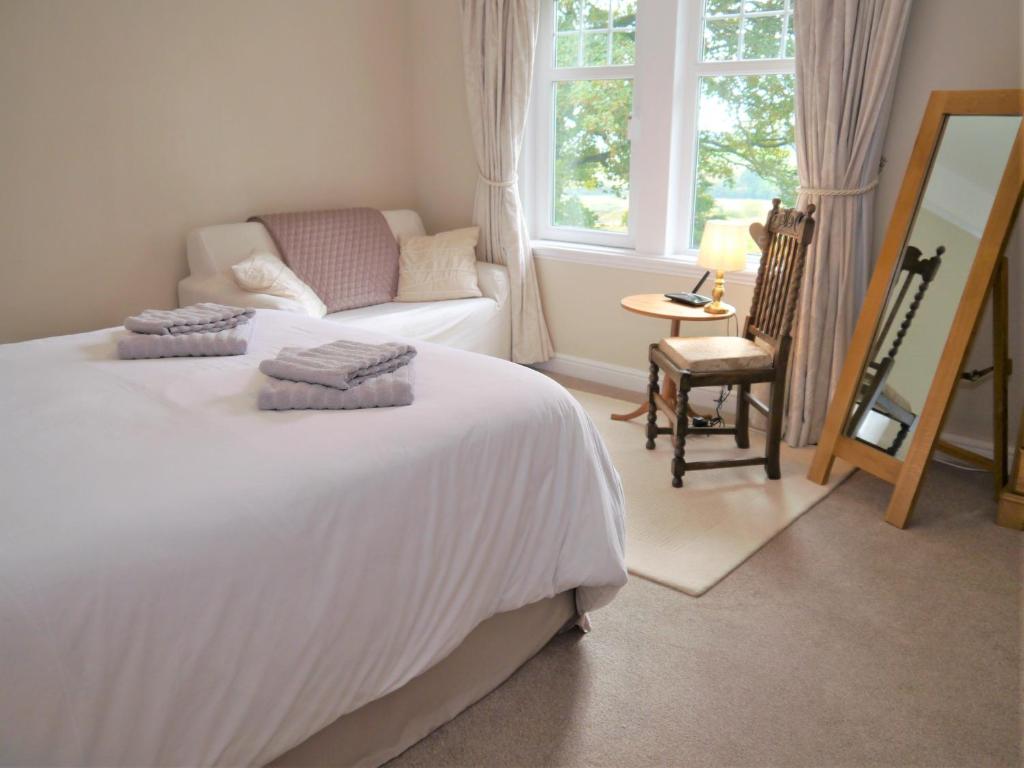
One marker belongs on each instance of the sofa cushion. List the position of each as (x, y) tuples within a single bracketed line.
[(264, 272), (439, 267), (348, 257)]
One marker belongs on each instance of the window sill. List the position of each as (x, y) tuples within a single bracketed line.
[(682, 265)]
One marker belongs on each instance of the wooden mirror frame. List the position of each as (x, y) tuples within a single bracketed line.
[(989, 262)]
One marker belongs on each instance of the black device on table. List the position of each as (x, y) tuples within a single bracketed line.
[(692, 299)]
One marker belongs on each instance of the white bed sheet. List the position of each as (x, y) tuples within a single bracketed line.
[(478, 325), (187, 580)]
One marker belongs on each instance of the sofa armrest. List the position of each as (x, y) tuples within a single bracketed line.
[(493, 281), (222, 289)]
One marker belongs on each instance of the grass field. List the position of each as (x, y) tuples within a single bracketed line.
[(611, 210)]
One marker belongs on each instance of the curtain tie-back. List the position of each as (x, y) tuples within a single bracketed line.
[(492, 183), (824, 192)]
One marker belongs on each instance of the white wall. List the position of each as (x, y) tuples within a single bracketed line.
[(126, 123)]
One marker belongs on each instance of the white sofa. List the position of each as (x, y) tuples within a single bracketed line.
[(478, 325)]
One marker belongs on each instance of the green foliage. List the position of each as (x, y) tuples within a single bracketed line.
[(591, 145), (748, 156), (759, 140)]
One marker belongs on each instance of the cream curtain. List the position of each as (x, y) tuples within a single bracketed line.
[(499, 38), (847, 55)]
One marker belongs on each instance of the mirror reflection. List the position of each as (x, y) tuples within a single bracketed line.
[(933, 270)]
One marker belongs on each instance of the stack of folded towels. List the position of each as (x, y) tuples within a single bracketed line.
[(341, 375), (200, 330)]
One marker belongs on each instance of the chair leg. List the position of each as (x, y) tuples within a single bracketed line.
[(773, 439), (743, 417), (652, 407), (682, 426)]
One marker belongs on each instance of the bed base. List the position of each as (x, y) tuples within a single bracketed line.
[(383, 729)]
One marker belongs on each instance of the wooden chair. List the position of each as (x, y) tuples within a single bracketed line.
[(760, 355)]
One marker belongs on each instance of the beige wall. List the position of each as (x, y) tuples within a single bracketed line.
[(126, 124), (445, 163), (581, 304)]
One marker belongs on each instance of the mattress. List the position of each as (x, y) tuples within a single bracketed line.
[(187, 580)]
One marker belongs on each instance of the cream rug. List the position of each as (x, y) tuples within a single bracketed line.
[(690, 538)]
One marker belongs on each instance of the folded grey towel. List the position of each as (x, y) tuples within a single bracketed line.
[(383, 391), (340, 364), (197, 318), (233, 341)]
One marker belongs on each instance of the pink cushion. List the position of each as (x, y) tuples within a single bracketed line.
[(348, 257)]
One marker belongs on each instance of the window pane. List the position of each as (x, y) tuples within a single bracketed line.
[(721, 39), (790, 40), (595, 49), (591, 154), (595, 33), (567, 16), (595, 14), (762, 37), (757, 6), (624, 13), (623, 47), (567, 50), (745, 148), (745, 30), (716, 7)]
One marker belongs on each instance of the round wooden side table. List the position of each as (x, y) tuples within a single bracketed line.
[(656, 305)]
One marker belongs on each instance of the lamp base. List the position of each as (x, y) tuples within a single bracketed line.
[(716, 307)]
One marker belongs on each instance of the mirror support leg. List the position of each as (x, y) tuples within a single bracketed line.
[(1001, 373)]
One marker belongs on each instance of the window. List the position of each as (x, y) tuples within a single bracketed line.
[(588, 87), (745, 153), (651, 116)]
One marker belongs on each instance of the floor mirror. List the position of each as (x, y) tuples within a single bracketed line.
[(943, 253)]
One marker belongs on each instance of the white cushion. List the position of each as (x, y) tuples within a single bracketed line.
[(439, 267), (264, 272), (479, 325)]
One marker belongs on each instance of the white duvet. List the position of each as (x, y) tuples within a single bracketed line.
[(186, 580)]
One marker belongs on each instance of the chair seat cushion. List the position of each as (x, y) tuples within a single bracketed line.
[(714, 353)]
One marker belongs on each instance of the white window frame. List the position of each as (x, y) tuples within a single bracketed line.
[(543, 145), (663, 133)]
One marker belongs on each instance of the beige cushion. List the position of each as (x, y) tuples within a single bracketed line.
[(438, 267), (264, 272), (715, 353)]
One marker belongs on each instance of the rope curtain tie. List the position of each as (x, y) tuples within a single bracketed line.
[(825, 192), (503, 184)]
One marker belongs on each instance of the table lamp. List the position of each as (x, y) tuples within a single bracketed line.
[(723, 248)]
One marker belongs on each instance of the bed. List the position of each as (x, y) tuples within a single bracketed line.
[(186, 580)]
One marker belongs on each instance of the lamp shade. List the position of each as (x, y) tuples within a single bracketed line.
[(725, 245)]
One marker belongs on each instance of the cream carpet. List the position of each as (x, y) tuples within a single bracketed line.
[(690, 538), (844, 643)]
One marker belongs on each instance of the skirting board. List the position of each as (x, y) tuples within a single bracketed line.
[(635, 380)]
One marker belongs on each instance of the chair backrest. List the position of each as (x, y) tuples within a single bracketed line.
[(911, 265), (783, 239)]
